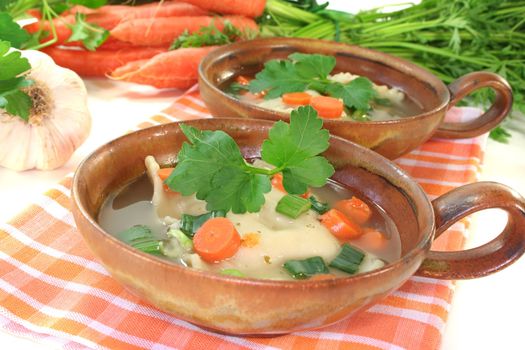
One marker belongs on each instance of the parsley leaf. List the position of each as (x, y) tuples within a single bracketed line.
[(212, 166), (294, 148), (214, 169), (356, 94), (14, 100), (91, 35), (301, 72), (313, 65), (11, 31), (207, 36), (6, 4)]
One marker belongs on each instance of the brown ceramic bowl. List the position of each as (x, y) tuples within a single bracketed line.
[(245, 306), (390, 138)]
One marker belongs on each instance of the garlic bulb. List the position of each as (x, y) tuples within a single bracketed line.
[(59, 120)]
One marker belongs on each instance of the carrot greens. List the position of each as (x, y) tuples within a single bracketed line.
[(207, 36), (211, 164)]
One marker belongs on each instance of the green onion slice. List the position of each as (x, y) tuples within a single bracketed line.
[(293, 206), (348, 259), (140, 237), (232, 272), (302, 269), (189, 224), (317, 206)]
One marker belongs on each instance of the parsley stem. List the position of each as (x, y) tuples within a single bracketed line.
[(255, 170)]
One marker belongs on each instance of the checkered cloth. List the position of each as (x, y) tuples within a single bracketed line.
[(54, 290)]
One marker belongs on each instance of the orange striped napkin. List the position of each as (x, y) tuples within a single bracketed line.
[(52, 288)]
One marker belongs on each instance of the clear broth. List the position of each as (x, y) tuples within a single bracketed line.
[(132, 206)]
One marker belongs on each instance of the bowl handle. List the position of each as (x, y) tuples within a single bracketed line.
[(495, 255), (488, 120)]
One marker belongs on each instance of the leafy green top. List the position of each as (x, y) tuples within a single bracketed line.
[(13, 66), (91, 35), (207, 36), (212, 165), (310, 71)]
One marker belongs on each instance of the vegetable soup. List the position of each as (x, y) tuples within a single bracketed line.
[(277, 217), (310, 79), (272, 245)]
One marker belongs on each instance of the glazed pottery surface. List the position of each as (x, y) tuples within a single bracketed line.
[(390, 138), (245, 306)]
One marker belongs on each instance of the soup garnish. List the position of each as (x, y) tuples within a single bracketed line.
[(308, 79), (302, 226)]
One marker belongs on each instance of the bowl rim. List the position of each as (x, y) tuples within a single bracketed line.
[(423, 244), (384, 58)]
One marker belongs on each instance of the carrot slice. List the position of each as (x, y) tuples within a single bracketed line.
[(339, 225), (373, 239), (164, 173), (216, 240), (355, 209), (297, 98), (327, 107), (277, 182)]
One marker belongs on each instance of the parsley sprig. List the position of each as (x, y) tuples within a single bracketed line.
[(211, 164), (302, 72)]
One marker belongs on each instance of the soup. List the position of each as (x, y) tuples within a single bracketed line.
[(311, 79), (272, 245)]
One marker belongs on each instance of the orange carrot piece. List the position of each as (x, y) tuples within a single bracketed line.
[(97, 63), (373, 239), (216, 240), (163, 30), (339, 225), (327, 107), (241, 79), (355, 209), (172, 69), (277, 182), (164, 173), (297, 98), (252, 8)]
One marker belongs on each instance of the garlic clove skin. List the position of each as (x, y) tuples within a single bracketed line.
[(58, 124)]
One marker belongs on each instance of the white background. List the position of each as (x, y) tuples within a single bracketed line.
[(486, 313)]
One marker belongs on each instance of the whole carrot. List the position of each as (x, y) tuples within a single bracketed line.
[(163, 30), (97, 63), (172, 69), (153, 10), (252, 8)]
